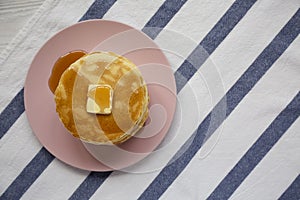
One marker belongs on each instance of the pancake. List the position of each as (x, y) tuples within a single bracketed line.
[(129, 109)]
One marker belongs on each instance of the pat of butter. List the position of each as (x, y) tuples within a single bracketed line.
[(99, 99)]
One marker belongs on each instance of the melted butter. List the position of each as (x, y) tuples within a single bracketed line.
[(61, 65), (102, 97)]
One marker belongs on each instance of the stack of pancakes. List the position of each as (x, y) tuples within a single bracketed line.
[(130, 99)]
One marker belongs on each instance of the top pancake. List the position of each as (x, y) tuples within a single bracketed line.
[(129, 105)]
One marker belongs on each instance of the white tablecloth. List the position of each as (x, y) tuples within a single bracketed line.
[(235, 133)]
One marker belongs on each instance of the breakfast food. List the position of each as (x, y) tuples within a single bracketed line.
[(102, 98)]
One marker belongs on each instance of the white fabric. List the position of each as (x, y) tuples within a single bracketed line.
[(233, 143)]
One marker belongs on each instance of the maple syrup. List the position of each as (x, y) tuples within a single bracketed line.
[(61, 65)]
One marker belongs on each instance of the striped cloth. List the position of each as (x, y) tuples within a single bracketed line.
[(242, 142)]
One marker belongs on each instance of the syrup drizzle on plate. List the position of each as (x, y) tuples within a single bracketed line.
[(61, 65)]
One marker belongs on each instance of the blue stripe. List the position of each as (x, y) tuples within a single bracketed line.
[(16, 107), (236, 93), (258, 150), (211, 41), (12, 112), (29, 174), (90, 185), (162, 17), (293, 191), (98, 9)]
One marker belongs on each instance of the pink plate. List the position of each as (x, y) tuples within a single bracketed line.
[(99, 35)]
